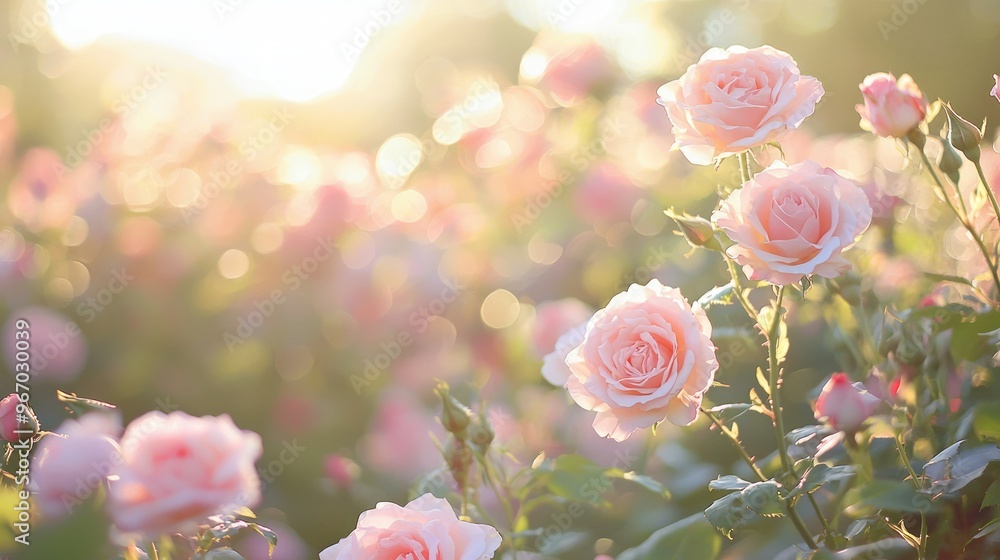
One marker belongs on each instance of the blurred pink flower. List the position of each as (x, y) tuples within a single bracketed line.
[(791, 222), (341, 470), (554, 319), (995, 92), (606, 195), (566, 67), (398, 442), (892, 108), (72, 464), (425, 526), (647, 356), (845, 405), (736, 99), (58, 349), (178, 469), (12, 421)]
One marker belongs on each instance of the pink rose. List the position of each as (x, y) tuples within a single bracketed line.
[(645, 357), (736, 99), (73, 464), (554, 368), (892, 108), (553, 319), (177, 470), (790, 222), (845, 405), (12, 421), (995, 92), (427, 527)]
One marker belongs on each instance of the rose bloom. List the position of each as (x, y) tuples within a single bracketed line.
[(736, 99), (553, 319), (10, 424), (72, 464), (845, 405), (177, 470), (645, 357), (892, 108), (995, 92), (790, 222), (427, 527)]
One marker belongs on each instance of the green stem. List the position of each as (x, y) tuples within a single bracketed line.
[(744, 161), (918, 483), (738, 288), (736, 442), (152, 550), (964, 220), (502, 496), (990, 195)]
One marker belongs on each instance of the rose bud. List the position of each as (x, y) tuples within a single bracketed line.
[(455, 416), (12, 421), (964, 136), (845, 405), (892, 108)]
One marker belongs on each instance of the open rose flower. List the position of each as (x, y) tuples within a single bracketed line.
[(646, 357), (427, 527), (177, 470), (791, 222), (845, 405), (736, 99), (72, 465), (892, 108)]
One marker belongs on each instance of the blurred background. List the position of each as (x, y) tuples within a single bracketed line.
[(303, 213)]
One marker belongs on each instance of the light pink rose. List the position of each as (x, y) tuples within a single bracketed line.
[(845, 405), (553, 319), (790, 222), (427, 527), (554, 368), (177, 470), (12, 421), (892, 108), (647, 356), (995, 92), (736, 99), (71, 465)]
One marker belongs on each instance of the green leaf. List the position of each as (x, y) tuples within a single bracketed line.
[(720, 295), (986, 420), (763, 382), (819, 475), (272, 539), (728, 482), (948, 278), (760, 499), (726, 413), (887, 495), (967, 342), (687, 539), (647, 482), (81, 405), (958, 465), (992, 497)]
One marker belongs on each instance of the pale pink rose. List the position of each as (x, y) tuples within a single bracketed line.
[(178, 469), (554, 368), (892, 108), (12, 421), (647, 356), (845, 405), (567, 67), (341, 470), (791, 222), (995, 92), (427, 527), (73, 464), (736, 99), (553, 319), (606, 195)]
